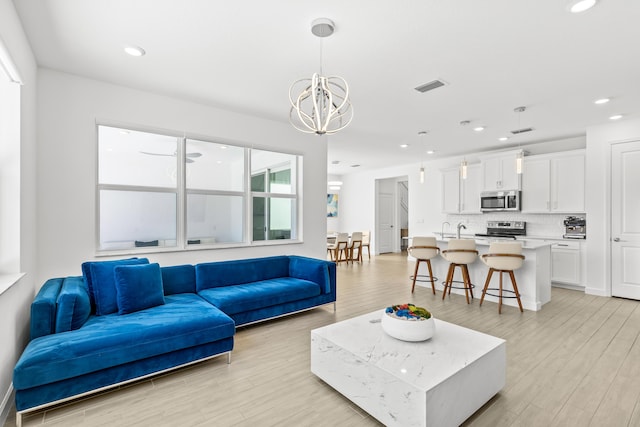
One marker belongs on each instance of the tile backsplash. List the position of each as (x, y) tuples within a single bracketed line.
[(538, 225)]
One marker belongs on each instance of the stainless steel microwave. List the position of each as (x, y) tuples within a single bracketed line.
[(500, 201)]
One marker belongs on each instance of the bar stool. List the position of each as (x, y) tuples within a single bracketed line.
[(423, 249), (503, 257), (459, 253)]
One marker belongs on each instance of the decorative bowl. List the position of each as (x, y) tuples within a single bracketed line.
[(407, 322)]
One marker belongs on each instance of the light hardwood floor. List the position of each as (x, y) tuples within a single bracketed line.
[(574, 363)]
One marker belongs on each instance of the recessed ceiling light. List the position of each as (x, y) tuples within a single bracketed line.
[(334, 187), (615, 117), (479, 128), (404, 145), (503, 138), (335, 183), (223, 147), (430, 151), (219, 162), (134, 50), (601, 101), (577, 6)]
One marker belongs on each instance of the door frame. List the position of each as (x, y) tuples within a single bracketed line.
[(609, 213), (395, 240)]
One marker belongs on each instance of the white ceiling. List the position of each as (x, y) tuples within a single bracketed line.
[(495, 55)]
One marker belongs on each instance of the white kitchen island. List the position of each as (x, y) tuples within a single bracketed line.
[(533, 278)]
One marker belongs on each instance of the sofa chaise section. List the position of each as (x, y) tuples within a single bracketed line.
[(111, 349)]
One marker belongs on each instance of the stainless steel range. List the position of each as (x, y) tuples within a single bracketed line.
[(505, 229)]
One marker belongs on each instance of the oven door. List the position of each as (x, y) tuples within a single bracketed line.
[(492, 202)]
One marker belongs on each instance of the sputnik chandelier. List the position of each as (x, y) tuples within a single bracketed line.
[(322, 104)]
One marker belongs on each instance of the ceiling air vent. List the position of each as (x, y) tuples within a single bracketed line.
[(518, 131), (430, 86)]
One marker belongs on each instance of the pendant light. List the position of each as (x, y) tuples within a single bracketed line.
[(422, 134), (320, 104), (520, 155), (463, 169)]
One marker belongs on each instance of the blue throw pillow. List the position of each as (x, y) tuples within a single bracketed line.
[(86, 273), (104, 283), (73, 306), (138, 287)]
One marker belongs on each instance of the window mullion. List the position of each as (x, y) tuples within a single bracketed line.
[(181, 214)]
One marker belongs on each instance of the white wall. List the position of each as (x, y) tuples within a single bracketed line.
[(68, 108), (14, 303), (598, 200)]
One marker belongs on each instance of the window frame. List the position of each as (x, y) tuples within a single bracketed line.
[(182, 193)]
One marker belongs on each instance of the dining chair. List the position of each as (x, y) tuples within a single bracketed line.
[(366, 238), (355, 244), (338, 249)]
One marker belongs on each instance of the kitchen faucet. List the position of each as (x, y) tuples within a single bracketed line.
[(442, 229), (460, 225)]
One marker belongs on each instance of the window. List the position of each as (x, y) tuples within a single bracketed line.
[(273, 192), (174, 192)]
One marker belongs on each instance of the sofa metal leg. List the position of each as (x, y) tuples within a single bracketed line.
[(228, 358), (334, 306), (18, 419)]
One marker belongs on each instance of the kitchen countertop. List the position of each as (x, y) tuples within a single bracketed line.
[(526, 238), (486, 241)]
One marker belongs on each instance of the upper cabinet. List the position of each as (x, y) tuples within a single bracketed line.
[(470, 190), (554, 183), (499, 171), (461, 195), (450, 190)]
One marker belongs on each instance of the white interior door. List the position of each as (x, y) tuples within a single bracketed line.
[(625, 220), (386, 206)]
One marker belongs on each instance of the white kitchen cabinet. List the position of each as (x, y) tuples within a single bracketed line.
[(566, 263), (567, 183), (554, 183), (471, 189), (450, 190), (461, 195), (499, 172)]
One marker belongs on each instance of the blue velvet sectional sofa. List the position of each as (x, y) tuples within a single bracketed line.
[(127, 319)]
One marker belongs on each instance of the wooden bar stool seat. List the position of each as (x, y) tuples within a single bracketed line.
[(459, 253), (423, 249), (503, 257)]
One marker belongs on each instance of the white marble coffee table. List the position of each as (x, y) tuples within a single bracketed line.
[(439, 382)]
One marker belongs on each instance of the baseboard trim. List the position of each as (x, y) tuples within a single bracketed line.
[(596, 291), (7, 405)]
